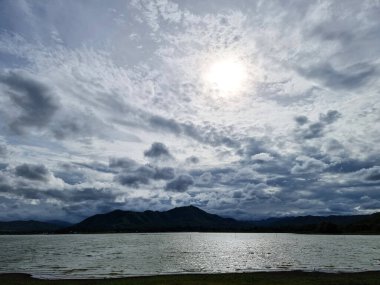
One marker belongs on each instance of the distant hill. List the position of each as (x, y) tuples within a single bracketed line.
[(188, 218), (322, 224), (61, 224), (31, 226), (370, 224), (191, 218)]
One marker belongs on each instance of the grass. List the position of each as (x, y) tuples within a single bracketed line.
[(258, 278)]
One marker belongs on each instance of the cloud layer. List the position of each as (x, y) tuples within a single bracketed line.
[(117, 114)]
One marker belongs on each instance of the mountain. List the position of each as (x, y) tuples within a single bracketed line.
[(188, 218), (21, 227), (191, 218), (322, 224), (59, 223), (370, 224)]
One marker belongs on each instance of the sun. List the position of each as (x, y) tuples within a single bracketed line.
[(226, 75)]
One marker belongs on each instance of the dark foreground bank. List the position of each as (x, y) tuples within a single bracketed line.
[(258, 278)]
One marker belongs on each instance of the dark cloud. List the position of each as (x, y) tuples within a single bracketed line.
[(192, 159), (332, 32), (96, 166), (76, 203), (165, 124), (158, 150), (71, 174), (369, 174), (39, 107), (330, 117), (62, 130), (141, 175), (348, 78), (301, 120), (3, 151), (3, 166), (235, 176), (205, 134), (82, 195), (254, 146), (241, 176), (347, 165), (131, 180), (308, 165), (374, 176), (237, 194), (34, 99), (125, 163), (74, 126), (32, 171), (316, 129), (205, 179), (180, 184), (164, 173)]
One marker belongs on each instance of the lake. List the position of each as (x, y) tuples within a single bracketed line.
[(117, 255)]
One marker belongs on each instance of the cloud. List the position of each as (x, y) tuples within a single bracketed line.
[(298, 139), (351, 77), (261, 191), (261, 157), (96, 166), (141, 175), (73, 203), (371, 175), (71, 174), (3, 166), (348, 164), (254, 146), (238, 194), (164, 173), (158, 150), (301, 120), (3, 150), (125, 163), (133, 174), (72, 125), (34, 100), (32, 171), (205, 180), (316, 129), (165, 124), (205, 134), (329, 32), (180, 184), (306, 164), (192, 159), (330, 117)]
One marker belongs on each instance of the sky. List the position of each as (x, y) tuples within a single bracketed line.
[(246, 109)]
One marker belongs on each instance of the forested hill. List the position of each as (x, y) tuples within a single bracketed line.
[(190, 218)]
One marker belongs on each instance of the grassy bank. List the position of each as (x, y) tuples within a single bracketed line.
[(259, 278)]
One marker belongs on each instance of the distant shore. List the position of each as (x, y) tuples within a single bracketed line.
[(257, 278)]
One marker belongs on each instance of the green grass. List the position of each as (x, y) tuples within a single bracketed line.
[(259, 278)]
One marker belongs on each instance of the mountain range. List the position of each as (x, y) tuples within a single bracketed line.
[(190, 218)]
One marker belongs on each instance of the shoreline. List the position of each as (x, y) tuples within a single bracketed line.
[(189, 232), (260, 277)]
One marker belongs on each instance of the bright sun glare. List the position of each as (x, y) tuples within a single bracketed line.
[(226, 75)]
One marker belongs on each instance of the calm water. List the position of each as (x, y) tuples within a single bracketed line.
[(115, 255)]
